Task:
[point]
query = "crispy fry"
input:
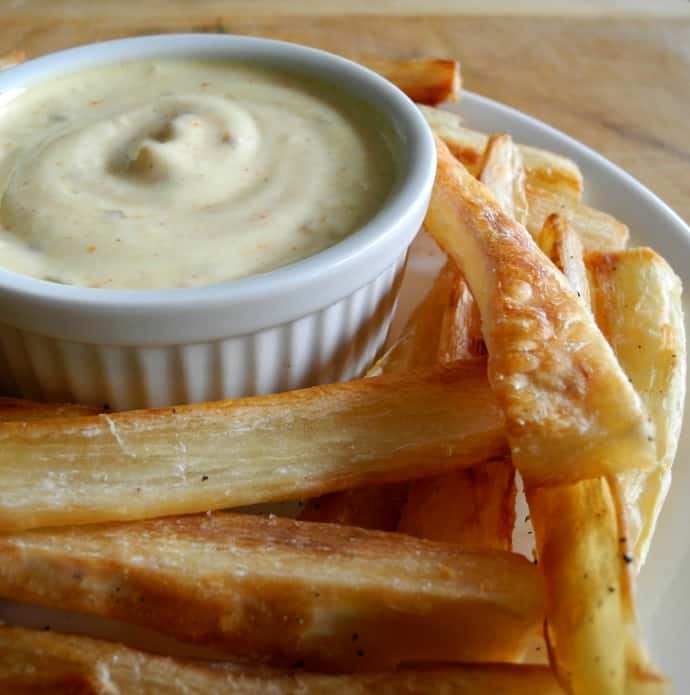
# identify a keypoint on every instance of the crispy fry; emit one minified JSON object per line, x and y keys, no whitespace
{"x":474,"y":507}
{"x":418,"y":344}
{"x":280,"y":591}
{"x":637,"y":304}
{"x":597,"y":230}
{"x":543,"y":169}
{"x":424,"y":81}
{"x":589,"y":587}
{"x":502,"y":171}
{"x":18,"y":410}
{"x":570,"y":414}
{"x":561,"y":244}
{"x":591,"y":622}
{"x":461,"y":330}
{"x":9,"y":60}
{"x":142,"y":464}
{"x":33,"y":663}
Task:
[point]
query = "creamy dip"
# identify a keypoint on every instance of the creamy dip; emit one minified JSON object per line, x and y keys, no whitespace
{"x":176,"y":173}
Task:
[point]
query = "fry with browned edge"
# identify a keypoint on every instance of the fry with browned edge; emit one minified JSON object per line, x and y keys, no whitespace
{"x":570,"y":413}
{"x":148,"y":463}
{"x":426,"y":81}
{"x":280,"y":591}
{"x":38,"y":663}
{"x":584,"y":556}
{"x":638,"y":306}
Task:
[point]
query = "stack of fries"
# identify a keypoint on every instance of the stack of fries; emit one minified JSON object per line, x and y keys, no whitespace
{"x":544,"y":351}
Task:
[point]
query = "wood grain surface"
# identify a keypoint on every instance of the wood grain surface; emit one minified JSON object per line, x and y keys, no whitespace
{"x":614,"y":75}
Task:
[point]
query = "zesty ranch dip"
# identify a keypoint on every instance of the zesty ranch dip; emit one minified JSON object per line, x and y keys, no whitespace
{"x":176,"y":173}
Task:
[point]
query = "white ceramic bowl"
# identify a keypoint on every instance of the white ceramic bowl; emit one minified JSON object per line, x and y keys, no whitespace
{"x":319,"y":320}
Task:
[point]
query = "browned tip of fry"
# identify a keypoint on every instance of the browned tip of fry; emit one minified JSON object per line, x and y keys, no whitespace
{"x":561,"y":244}
{"x":503,"y":172}
{"x":424,"y":81}
{"x":461,"y":334}
{"x":8,"y":60}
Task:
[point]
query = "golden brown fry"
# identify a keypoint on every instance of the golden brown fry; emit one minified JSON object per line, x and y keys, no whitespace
{"x":543,"y":169}
{"x":425,"y":81}
{"x":18,"y":410}
{"x":418,"y":344}
{"x":461,"y":329}
{"x":589,"y":591}
{"x":570,"y":411}
{"x":637,"y":304}
{"x":9,"y":60}
{"x":37,"y":663}
{"x":291,"y":445}
{"x":597,"y":230}
{"x":591,"y":622}
{"x":375,"y":507}
{"x":474,"y":507}
{"x":561,"y":244}
{"x":502,"y":172}
{"x":280,"y":591}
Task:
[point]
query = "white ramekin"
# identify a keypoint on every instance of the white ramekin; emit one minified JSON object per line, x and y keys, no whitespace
{"x":319,"y":320}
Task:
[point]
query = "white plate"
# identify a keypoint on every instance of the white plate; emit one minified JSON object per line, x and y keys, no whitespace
{"x":665,"y":579}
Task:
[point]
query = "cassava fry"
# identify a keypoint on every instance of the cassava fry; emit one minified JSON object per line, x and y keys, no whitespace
{"x":584,"y":553}
{"x":637,"y":304}
{"x":591,"y":623}
{"x":291,"y":445}
{"x":474,"y":507}
{"x":544,"y":169}
{"x":502,"y":172}
{"x":570,"y":411}
{"x":280,"y":591}
{"x":37,"y":663}
{"x":418,"y":344}
{"x":597,"y":230}
{"x":461,"y":328}
{"x":425,"y":81}
{"x":561,"y":244}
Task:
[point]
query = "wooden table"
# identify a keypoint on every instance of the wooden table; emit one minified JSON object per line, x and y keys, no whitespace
{"x":615,"y":75}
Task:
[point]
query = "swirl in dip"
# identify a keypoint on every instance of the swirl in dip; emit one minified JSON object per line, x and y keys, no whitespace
{"x":176,"y":173}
